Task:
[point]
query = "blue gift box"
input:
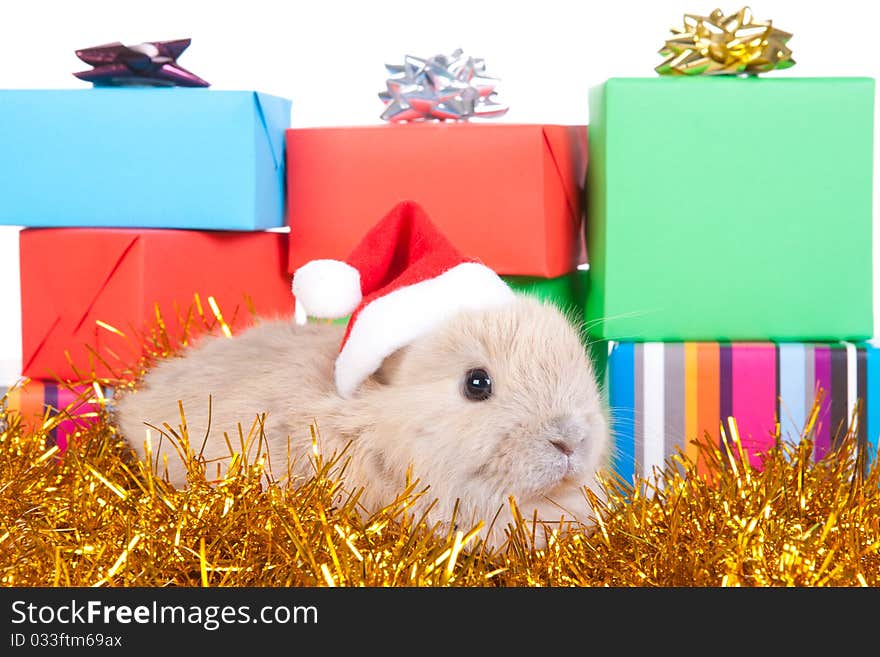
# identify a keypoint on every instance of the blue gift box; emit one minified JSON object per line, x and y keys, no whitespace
{"x":142,"y":157}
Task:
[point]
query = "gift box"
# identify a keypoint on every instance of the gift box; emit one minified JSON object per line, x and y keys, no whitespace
{"x":730,"y":208}
{"x":665,"y":396}
{"x":92,"y":292}
{"x":509,"y":194}
{"x":143,"y":158}
{"x":566,"y":291}
{"x":35,"y":402}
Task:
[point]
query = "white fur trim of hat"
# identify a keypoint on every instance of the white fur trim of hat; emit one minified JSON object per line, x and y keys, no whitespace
{"x":397,"y":318}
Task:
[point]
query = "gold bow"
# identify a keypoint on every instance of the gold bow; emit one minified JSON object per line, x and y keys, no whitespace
{"x":725,"y":45}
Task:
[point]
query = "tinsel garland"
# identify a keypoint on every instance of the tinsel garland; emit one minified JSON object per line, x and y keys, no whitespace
{"x":96,"y":515}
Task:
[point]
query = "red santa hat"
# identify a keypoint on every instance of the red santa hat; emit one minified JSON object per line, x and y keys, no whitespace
{"x":402,"y":281}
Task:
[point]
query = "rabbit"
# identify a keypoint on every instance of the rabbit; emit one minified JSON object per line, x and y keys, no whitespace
{"x":492,"y":403}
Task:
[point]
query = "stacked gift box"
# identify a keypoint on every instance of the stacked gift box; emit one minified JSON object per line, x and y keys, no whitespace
{"x":729,"y":231}
{"x":155,"y":196}
{"x":140,"y":203}
{"x":728,"y":228}
{"x":508,"y":194}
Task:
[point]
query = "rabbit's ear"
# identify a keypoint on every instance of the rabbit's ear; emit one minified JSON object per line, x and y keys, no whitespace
{"x":387,"y":372}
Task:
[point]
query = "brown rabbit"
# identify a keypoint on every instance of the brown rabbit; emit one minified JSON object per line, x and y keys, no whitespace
{"x":492,"y":403}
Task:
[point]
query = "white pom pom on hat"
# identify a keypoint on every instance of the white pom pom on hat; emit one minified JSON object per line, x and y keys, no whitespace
{"x":399,"y":283}
{"x":327,"y":288}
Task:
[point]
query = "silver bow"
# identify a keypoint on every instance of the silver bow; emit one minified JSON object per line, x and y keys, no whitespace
{"x":442,"y":87}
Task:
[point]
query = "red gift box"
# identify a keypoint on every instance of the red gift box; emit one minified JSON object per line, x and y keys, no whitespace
{"x":508,"y":194}
{"x":77,"y":282}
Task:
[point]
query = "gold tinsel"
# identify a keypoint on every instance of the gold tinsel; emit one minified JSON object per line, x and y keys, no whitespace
{"x":98,"y":516}
{"x":720,"y":44}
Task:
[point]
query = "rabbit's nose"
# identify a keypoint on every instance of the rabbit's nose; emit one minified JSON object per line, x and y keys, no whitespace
{"x":567,"y":434}
{"x":562,"y":447}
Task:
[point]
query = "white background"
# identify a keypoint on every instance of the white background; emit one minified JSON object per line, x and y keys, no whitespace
{"x":328,"y":57}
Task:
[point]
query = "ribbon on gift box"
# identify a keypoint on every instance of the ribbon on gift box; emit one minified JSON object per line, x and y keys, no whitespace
{"x":442,"y":87}
{"x":153,"y":63}
{"x":720,"y":44}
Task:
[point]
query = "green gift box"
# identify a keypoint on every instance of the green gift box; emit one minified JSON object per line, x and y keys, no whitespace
{"x":730,"y":208}
{"x":567,"y":291}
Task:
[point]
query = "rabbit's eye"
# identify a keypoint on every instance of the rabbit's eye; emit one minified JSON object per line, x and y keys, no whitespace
{"x":477,"y":384}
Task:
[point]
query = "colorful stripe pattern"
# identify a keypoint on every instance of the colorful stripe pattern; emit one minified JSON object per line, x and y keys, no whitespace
{"x":665,"y":396}
{"x":33,"y":399}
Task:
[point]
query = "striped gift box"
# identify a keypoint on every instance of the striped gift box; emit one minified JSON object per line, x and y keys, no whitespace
{"x":32,"y":399}
{"x":665,"y":395}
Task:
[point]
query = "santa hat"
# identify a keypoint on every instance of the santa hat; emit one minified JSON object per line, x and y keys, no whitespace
{"x":402,"y":281}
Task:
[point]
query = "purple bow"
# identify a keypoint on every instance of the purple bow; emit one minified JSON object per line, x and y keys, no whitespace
{"x":150,"y":64}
